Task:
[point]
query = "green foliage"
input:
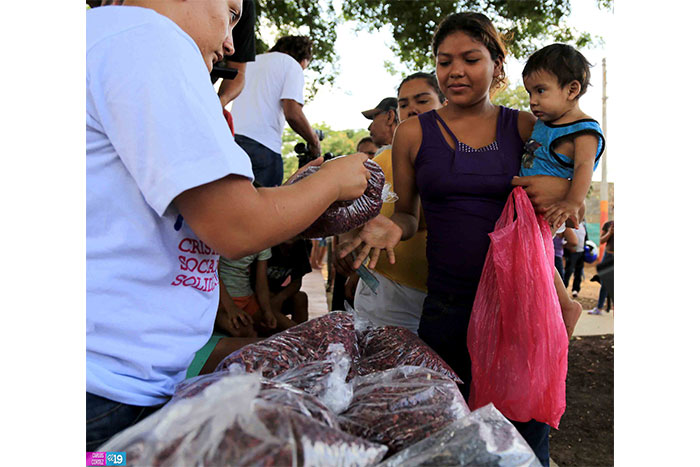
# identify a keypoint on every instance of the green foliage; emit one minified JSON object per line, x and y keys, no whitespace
{"x":515,"y":98}
{"x":413,"y":22}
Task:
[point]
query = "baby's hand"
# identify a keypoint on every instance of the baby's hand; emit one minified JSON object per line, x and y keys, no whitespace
{"x":560,"y":211}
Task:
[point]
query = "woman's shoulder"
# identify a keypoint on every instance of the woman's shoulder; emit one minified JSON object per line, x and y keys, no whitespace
{"x":408,"y":136}
{"x":526,"y":123}
{"x":410,"y":126}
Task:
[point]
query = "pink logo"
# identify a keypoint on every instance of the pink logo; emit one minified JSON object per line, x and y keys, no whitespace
{"x":95,"y":458}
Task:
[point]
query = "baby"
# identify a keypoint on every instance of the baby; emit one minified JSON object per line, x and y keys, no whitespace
{"x":565,"y":142}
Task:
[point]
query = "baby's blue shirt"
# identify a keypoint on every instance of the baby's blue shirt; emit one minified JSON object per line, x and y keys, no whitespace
{"x":547,"y":135}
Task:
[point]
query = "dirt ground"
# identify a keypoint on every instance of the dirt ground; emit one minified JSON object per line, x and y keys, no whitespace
{"x":585,"y":436}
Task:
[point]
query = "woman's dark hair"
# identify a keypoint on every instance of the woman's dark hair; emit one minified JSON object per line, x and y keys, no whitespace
{"x":480,"y":28}
{"x":429,"y":78}
{"x":564,"y":62}
{"x":298,"y":47}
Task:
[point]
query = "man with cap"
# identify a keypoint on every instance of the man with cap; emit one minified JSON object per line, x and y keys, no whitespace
{"x":398,"y":298}
{"x":385,"y":119}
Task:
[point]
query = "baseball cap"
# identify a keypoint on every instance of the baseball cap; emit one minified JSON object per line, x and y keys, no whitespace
{"x":385,"y":105}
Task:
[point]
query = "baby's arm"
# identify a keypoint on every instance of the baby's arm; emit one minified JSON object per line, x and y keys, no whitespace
{"x":585,"y":149}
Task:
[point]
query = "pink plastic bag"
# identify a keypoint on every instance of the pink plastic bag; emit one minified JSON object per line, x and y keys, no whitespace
{"x":517,"y":339}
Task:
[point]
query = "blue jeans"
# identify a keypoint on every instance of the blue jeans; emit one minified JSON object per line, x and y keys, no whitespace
{"x":443,"y":326}
{"x":105,"y":418}
{"x":268,"y":167}
{"x":559,"y":266}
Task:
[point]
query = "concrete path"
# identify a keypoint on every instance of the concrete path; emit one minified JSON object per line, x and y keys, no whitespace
{"x":595,"y":325}
{"x":314,"y":285}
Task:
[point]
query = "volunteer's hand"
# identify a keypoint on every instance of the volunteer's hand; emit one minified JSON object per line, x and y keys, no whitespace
{"x":350,"y":173}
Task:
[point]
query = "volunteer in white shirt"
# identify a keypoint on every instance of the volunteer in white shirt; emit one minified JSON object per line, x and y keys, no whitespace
{"x":167,"y":190}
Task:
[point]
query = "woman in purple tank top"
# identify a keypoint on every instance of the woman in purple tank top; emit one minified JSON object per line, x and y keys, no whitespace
{"x":460,"y":162}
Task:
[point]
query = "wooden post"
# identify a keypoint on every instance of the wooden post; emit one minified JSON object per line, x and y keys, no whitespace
{"x":604,"y":167}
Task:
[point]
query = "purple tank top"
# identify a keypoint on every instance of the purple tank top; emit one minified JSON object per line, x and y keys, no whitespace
{"x":463,"y":192}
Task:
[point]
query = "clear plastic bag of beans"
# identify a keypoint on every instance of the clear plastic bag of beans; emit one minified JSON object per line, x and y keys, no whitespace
{"x":277,"y":392}
{"x":298,"y":401}
{"x":484,"y":437}
{"x":402,"y":406}
{"x":385,"y":347}
{"x":325,"y":379}
{"x":227,"y":423}
{"x":343,"y":216}
{"x":303,"y":343}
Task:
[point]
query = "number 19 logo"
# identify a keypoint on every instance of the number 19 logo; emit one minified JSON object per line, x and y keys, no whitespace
{"x":116,"y":458}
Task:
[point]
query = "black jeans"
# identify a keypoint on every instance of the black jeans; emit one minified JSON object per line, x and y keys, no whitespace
{"x":443,"y":326}
{"x":574,"y":265}
{"x":105,"y":418}
{"x":603,"y":294}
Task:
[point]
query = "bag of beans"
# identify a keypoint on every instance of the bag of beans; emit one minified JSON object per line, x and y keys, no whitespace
{"x":343,"y":216}
{"x":228,"y":423}
{"x":276,"y":392}
{"x":385,"y":347}
{"x":401,"y":406}
{"x":325,"y":379}
{"x":484,"y":437}
{"x":303,"y":343}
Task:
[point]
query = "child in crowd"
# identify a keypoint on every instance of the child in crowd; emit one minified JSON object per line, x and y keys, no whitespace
{"x":565,"y":142}
{"x":319,"y":249}
{"x":367,"y":146}
{"x":235,"y":276}
{"x":285,"y":271}
{"x":249,"y":307}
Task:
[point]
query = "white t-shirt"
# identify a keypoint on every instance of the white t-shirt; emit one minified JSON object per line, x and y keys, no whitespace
{"x":257,"y":111}
{"x":581,"y":237}
{"x":154,"y":128}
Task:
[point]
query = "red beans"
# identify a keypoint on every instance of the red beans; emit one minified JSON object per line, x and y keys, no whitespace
{"x":392,"y":346}
{"x":401,"y":406}
{"x":343,"y":216}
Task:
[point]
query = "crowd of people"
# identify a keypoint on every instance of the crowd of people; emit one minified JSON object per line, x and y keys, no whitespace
{"x":192,"y":235}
